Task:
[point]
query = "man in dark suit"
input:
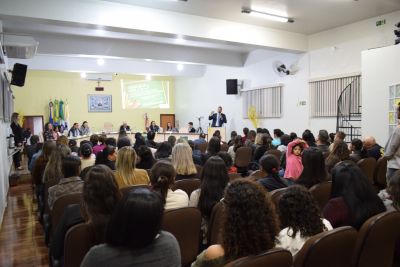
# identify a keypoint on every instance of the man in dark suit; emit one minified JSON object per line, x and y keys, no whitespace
{"x":190,"y":128}
{"x":218,"y":119}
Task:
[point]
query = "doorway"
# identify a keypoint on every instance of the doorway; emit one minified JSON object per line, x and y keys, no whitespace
{"x":165,"y":118}
{"x":34,"y":123}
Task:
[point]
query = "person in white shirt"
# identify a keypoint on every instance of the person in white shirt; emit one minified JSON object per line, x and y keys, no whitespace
{"x":162,"y":177}
{"x":300,"y":215}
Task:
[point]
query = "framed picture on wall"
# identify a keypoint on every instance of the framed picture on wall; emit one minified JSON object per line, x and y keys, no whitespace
{"x":100,"y":103}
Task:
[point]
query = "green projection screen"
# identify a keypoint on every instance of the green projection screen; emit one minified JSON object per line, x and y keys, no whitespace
{"x":145,"y":94}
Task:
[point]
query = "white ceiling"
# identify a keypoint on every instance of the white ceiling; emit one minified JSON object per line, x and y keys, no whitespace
{"x":311,"y":16}
{"x":197,"y":32}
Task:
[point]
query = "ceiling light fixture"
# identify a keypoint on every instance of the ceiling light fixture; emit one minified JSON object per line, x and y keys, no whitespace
{"x":83,"y":75}
{"x":147,"y":59}
{"x":100,"y":61}
{"x":179,"y":67}
{"x":265,"y":15}
{"x":148,"y":77}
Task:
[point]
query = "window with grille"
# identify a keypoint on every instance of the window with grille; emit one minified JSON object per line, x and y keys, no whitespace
{"x":324,"y":95}
{"x":266,"y":101}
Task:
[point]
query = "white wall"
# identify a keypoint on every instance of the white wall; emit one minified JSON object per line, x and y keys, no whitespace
{"x":197,"y":97}
{"x":380,"y":69}
{"x":331,"y":53}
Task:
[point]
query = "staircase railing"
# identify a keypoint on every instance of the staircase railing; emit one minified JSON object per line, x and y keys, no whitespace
{"x":348,"y":119}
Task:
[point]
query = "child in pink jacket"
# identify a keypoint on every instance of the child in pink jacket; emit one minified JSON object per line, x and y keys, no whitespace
{"x":294,"y":167}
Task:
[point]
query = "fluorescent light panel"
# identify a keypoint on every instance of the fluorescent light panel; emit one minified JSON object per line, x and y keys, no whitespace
{"x":265,"y":15}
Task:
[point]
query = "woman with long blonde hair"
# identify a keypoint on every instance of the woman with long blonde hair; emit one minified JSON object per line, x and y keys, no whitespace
{"x":182,"y":160}
{"x":126,"y":172}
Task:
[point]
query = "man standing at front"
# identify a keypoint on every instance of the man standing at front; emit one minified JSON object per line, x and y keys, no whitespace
{"x":218,"y":119}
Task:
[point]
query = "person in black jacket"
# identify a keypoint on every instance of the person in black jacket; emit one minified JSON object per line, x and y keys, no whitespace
{"x":218,"y":119}
{"x":18,"y":133}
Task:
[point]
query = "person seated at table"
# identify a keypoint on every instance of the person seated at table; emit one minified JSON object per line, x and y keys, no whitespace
{"x":84,"y":130}
{"x":150,"y":140}
{"x":124,"y":127}
{"x":191,"y":129}
{"x":169,"y":127}
{"x":154,"y":127}
{"x":74,"y":131}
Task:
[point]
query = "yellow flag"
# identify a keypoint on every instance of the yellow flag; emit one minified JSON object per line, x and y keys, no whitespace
{"x":252,"y":114}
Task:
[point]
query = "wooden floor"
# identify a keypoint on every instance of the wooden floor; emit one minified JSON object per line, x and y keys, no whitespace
{"x":21,"y":236}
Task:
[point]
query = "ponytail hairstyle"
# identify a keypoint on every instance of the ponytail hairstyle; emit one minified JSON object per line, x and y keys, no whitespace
{"x":162,"y":176}
{"x":270,"y":165}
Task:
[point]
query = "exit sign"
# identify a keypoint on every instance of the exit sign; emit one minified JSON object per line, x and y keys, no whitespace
{"x":380,"y":22}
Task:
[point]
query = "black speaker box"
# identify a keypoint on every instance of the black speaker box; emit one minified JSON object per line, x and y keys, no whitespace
{"x":19,"y":74}
{"x":232,"y":87}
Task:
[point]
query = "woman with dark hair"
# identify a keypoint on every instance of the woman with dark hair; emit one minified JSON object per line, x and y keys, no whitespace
{"x":262,"y":146}
{"x":163,"y":151}
{"x":139,"y":141}
{"x":340,"y":152}
{"x":250,"y":225}
{"x":214,"y":179}
{"x":357,"y":150}
{"x":308,"y":136}
{"x":293,"y":136}
{"x":162,"y":177}
{"x":99,"y":198}
{"x":84,"y":130}
{"x":236,"y":144}
{"x":300,"y":214}
{"x":107,"y":157}
{"x":232,"y":140}
{"x":123,"y":141}
{"x":277,"y":137}
{"x":314,"y":171}
{"x":49,"y":133}
{"x":73,"y":145}
{"x":145,"y":159}
{"x":353,"y":200}
{"x":285,"y":140}
{"x":269,"y":165}
{"x":87,"y":157}
{"x":18,"y":139}
{"x":154,"y":127}
{"x":100,"y":145}
{"x":134,"y":237}
{"x":213,"y":147}
{"x":94,"y":140}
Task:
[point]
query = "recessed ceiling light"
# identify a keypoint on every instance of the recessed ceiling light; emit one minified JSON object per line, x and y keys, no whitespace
{"x":179,"y":67}
{"x":100,"y":61}
{"x":83,"y":75}
{"x":266,"y":15}
{"x":148,"y":59}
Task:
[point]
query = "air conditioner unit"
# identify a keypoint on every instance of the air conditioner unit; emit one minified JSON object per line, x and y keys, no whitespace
{"x":18,"y":46}
{"x":99,"y":76}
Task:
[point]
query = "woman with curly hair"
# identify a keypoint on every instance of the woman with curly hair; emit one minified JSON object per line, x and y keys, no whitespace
{"x":300,"y":214}
{"x":250,"y":225}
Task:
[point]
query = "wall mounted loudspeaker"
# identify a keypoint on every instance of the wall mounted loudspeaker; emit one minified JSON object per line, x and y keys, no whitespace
{"x":232,"y":87}
{"x":18,"y":74}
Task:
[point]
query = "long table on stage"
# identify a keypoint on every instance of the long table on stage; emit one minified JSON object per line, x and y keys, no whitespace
{"x":160,"y":137}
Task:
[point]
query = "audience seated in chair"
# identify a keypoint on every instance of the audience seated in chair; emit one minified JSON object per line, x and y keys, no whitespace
{"x":314,"y":171}
{"x":107,"y":157}
{"x":182,"y":160}
{"x":214,"y":179}
{"x":162,"y":178}
{"x":100,"y":195}
{"x":391,"y":195}
{"x":133,"y":236}
{"x":145,"y":158}
{"x":164,"y":151}
{"x":71,"y":183}
{"x":357,"y":150}
{"x":214,"y":146}
{"x":246,"y":205}
{"x":269,"y":165}
{"x":353,"y":200}
{"x":300,"y":215}
{"x":126,"y":173}
{"x":339,"y":152}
